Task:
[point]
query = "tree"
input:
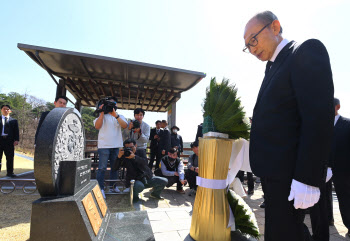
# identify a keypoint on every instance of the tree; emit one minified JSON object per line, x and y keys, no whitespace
{"x":88,"y":120}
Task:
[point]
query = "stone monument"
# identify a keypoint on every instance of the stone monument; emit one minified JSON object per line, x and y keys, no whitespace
{"x":71,"y":206}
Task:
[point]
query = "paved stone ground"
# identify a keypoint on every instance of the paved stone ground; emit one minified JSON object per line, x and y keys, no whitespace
{"x":171,"y":218}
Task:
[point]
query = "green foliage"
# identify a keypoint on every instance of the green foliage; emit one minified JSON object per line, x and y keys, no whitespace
{"x":245,"y":220}
{"x":88,"y":120}
{"x":224,"y":108}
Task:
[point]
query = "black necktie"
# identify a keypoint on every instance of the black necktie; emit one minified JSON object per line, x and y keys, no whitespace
{"x":268,"y":66}
{"x":6,"y":126}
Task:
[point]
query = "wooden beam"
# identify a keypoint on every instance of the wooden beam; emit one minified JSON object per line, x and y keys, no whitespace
{"x":161,"y":80}
{"x":86,"y":90}
{"x":103,"y":90}
{"x":137,"y":97}
{"x":121,"y":95}
{"x":77,"y":90}
{"x":129,"y":98}
{"x":161,"y":97}
{"x":167,"y":99}
{"x":154,"y":94}
{"x":111,"y":89}
{"x":144,"y":98}
{"x":64,"y":75}
{"x":94,"y":90}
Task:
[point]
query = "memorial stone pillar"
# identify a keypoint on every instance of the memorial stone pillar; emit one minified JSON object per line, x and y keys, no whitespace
{"x":71,"y":206}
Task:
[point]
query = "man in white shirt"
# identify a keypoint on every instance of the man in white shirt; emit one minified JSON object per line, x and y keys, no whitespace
{"x":109,"y":140}
{"x":292,"y":125}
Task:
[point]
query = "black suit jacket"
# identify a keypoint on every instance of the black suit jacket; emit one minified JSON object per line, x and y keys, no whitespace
{"x":341,"y":147}
{"x":165,"y":141}
{"x":154,"y":142}
{"x":13,"y":131}
{"x":42,"y":118}
{"x":294,"y":116}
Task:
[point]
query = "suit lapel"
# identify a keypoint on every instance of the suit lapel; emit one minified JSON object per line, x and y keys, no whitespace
{"x":275,"y":66}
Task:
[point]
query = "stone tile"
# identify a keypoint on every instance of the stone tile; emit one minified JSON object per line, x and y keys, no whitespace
{"x":168,"y":236}
{"x":158,"y":216}
{"x":178,"y":214}
{"x":184,"y":233}
{"x":163,"y":226}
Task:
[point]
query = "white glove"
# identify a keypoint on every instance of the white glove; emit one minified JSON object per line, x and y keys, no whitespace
{"x":304,"y":196}
{"x":329,"y":174}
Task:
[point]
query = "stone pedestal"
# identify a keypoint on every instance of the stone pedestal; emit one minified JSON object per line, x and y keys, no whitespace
{"x":75,"y":217}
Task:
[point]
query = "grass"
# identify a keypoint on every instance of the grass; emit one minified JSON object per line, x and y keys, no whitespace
{"x":20,"y":165}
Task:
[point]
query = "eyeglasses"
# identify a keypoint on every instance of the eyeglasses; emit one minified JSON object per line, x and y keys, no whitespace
{"x":253,"y":41}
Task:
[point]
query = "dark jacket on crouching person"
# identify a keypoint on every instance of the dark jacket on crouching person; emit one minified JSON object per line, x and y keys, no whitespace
{"x":137,"y":169}
{"x":192,"y":174}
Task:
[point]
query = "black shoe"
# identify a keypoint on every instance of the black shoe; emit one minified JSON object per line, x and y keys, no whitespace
{"x":331,"y":223}
{"x":250,"y":192}
{"x":262,"y":205}
{"x":11,"y":175}
{"x":156,"y":196}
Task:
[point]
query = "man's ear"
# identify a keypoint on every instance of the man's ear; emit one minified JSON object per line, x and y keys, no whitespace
{"x":276,"y":27}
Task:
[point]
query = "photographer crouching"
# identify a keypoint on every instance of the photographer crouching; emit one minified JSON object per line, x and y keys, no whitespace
{"x":138,"y":170}
{"x":110,"y":139}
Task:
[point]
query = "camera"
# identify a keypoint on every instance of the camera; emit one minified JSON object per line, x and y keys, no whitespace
{"x":135,"y":124}
{"x":107,"y":107}
{"x":127,"y":151}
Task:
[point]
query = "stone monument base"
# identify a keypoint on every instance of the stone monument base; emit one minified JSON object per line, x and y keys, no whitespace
{"x":77,"y":217}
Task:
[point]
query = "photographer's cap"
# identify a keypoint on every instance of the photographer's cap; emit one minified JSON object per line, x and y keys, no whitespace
{"x":173,"y":150}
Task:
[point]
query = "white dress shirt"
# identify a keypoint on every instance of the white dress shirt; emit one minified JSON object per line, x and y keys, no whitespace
{"x":336,"y":119}
{"x":3,"y":125}
{"x":281,"y":45}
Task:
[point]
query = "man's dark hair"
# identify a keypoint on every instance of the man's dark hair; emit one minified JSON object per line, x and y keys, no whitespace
{"x":164,"y":121}
{"x":112,"y":98}
{"x":336,"y":102}
{"x":138,"y":110}
{"x":5,"y":105}
{"x":267,"y":17}
{"x":173,"y":150}
{"x":129,"y":141}
{"x":61,"y":97}
{"x":158,"y":121}
{"x":194,"y":144}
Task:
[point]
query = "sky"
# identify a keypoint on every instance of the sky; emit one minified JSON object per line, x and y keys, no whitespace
{"x":204,"y":36}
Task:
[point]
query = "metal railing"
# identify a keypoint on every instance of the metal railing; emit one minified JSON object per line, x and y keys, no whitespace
{"x":12,"y":181}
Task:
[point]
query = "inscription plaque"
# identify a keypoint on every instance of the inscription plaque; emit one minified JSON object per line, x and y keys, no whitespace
{"x":74,"y":175}
{"x":100,"y":200}
{"x":92,"y":212}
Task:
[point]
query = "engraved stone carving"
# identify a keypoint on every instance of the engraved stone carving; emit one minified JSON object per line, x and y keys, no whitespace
{"x":69,"y":141}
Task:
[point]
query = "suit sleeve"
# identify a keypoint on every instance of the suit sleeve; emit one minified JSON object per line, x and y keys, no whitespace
{"x":312,"y":81}
{"x":16,"y":131}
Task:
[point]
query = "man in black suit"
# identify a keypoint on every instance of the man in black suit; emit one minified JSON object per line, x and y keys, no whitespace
{"x":292,"y":125}
{"x":164,"y":142}
{"x":9,"y":138}
{"x":60,"y":102}
{"x":155,"y":138}
{"x":341,"y":163}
